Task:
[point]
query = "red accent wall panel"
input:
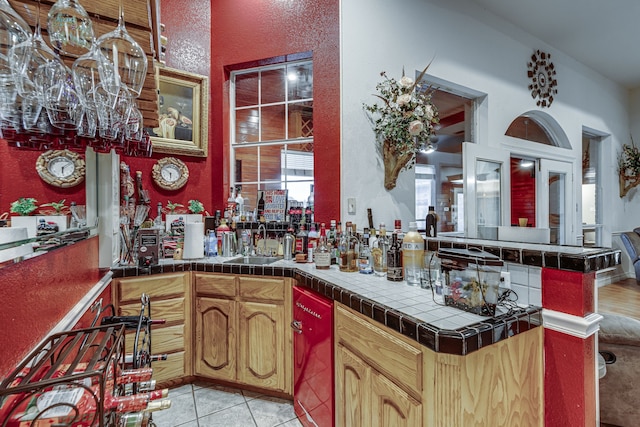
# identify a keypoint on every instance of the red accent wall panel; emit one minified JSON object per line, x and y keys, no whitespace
{"x":37,"y":293}
{"x":251,"y":30}
{"x":569,"y":379}
{"x":568,"y":291}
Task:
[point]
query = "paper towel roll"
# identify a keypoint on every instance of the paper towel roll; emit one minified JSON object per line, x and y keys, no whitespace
{"x":193,"y":240}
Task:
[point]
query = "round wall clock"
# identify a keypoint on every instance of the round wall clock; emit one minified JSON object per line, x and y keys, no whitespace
{"x":61,"y":168}
{"x":543,"y":82}
{"x":170,"y":173}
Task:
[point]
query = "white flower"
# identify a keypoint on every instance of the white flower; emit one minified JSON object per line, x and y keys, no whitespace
{"x":418,"y":111}
{"x":403,"y":99}
{"x":428,"y":112}
{"x":406,"y":82}
{"x":415,"y":127}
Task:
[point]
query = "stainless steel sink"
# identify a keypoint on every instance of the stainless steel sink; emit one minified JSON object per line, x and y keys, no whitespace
{"x":256,"y":260}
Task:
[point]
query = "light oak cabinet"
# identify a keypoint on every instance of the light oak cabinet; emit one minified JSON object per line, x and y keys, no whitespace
{"x":170,"y":296}
{"x":376,"y":375}
{"x":242,"y":331}
{"x":385,"y":379}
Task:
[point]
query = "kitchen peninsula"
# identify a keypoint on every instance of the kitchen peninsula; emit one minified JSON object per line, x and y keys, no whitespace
{"x":509,"y":347}
{"x":434,"y":359}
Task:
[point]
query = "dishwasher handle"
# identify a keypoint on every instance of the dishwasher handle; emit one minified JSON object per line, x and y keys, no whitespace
{"x":296,"y":325}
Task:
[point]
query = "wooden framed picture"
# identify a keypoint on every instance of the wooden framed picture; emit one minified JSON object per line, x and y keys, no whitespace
{"x":183,"y":113}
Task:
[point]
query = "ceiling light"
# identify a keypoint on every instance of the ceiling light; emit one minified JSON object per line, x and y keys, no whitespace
{"x":526,"y":163}
{"x":428,"y":149}
{"x":292,"y":77}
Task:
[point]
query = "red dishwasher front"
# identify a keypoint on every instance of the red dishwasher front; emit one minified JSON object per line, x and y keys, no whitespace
{"x":313,"y":358}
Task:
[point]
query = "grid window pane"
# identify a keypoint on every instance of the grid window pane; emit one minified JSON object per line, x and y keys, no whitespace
{"x":272,"y":87}
{"x":246,"y":86}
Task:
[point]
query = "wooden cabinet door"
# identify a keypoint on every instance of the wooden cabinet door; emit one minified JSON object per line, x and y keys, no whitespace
{"x":353,"y":389}
{"x":261,"y":351}
{"x":392,"y":406}
{"x":216,"y":339}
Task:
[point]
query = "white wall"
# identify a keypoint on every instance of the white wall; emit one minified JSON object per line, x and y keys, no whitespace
{"x":480,"y":52}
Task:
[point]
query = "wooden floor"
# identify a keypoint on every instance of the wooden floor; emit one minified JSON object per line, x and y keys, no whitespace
{"x":620,"y":298}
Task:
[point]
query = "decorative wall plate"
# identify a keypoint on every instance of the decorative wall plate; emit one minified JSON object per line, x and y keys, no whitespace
{"x":61,"y":168}
{"x":543,"y":82}
{"x":170,"y":173}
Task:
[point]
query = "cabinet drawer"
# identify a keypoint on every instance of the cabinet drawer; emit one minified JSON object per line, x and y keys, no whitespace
{"x":386,"y":352}
{"x":268,"y":289}
{"x":172,"y":368}
{"x":171,"y":310}
{"x":163,"y":340}
{"x":159,"y":286}
{"x":216,"y":284}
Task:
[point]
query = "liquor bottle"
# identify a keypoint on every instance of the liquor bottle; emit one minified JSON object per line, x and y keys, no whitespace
{"x":301,"y":240}
{"x":322,"y":253}
{"x":379,"y":252}
{"x":331,"y":239}
{"x":364,"y":257}
{"x":313,"y":235}
{"x":432,"y":222}
{"x":336,"y":247}
{"x":260,"y":211}
{"x":413,"y":255}
{"x":349,"y":249}
{"x":394,"y":260}
{"x":134,"y":419}
{"x":397,"y":229}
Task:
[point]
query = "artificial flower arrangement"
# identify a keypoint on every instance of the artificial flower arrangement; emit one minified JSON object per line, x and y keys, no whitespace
{"x":403,"y":122}
{"x":628,"y":168}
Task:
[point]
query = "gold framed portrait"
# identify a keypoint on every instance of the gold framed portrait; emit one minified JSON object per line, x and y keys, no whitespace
{"x":183,"y":101}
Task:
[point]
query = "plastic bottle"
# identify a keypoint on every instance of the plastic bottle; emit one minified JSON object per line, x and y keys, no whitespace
{"x":413,"y":255}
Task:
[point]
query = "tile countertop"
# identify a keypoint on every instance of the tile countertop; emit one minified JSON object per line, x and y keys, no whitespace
{"x":417,"y":313}
{"x":571,"y":258}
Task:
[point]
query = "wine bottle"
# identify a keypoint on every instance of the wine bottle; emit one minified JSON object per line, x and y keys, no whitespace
{"x":134,"y":402}
{"x":131,"y":322}
{"x":394,"y":260}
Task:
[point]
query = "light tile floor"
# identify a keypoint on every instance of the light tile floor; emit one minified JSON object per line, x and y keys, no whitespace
{"x":206,"y":405}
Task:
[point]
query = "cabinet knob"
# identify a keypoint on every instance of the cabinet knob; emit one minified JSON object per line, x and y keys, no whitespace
{"x":296,"y":325}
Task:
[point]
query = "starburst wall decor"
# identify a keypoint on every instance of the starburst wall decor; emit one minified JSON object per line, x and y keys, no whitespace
{"x":543,"y":82}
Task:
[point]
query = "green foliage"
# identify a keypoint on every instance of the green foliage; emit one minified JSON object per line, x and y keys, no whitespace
{"x":24,"y":206}
{"x":173,"y":206}
{"x":58,"y":207}
{"x":196,"y":207}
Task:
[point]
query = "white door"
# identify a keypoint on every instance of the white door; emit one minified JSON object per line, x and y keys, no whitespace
{"x":487,"y":180}
{"x":556,"y":201}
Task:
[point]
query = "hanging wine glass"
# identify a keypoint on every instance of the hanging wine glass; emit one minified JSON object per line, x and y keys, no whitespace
{"x":13,"y":30}
{"x":27,"y":57}
{"x":126,"y":55}
{"x":90,"y":71}
{"x":70,"y":28}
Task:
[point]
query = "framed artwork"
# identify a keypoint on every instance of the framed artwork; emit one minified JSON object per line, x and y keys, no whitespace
{"x":183,"y":113}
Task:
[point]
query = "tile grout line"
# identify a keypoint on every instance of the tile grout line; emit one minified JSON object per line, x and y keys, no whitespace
{"x":195,"y":406}
{"x":249,"y":408}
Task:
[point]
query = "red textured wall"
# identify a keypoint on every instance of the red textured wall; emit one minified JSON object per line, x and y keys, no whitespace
{"x":37,"y":293}
{"x":251,"y":30}
{"x":523,"y":194}
{"x":18,"y":178}
{"x":204,"y":37}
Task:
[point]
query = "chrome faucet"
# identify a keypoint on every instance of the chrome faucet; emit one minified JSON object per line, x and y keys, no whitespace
{"x":264,"y":238}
